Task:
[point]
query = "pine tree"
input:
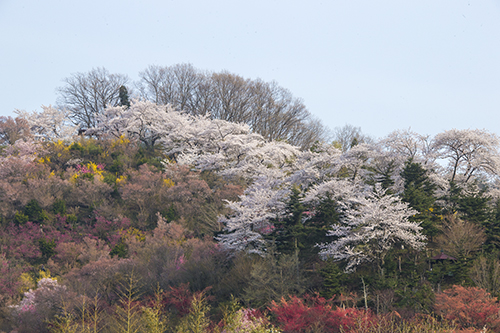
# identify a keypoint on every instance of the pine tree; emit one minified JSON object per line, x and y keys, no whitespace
{"x":419,"y":194}
{"x":289,"y":231}
{"x":123,"y":95}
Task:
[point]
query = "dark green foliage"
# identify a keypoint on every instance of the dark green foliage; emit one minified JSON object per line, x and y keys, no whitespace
{"x":120,"y":250}
{"x":76,"y":147}
{"x":419,"y":190}
{"x":34,"y":212}
{"x":71,"y":218}
{"x":419,"y":194}
{"x":289,"y":231}
{"x":419,"y":297}
{"x":333,"y":279}
{"x":382,"y":175}
{"x":20,"y":218}
{"x":147,"y":155}
{"x":110,"y":179}
{"x":492,"y":229}
{"x":47,"y":248}
{"x":123,"y":95}
{"x":169,"y":213}
{"x":59,"y":207}
{"x":117,"y":166}
{"x":471,"y":202}
{"x":316,"y":225}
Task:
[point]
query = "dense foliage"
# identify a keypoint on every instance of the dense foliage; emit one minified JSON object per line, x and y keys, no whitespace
{"x":155,"y":220}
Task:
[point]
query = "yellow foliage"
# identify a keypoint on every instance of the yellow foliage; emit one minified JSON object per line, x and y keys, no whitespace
{"x":134,"y":232}
{"x":27,"y":282}
{"x":121,"y":180}
{"x":73,"y":178}
{"x":44,"y":159}
{"x":44,"y":274}
{"x":168,"y":182}
{"x":120,"y":142}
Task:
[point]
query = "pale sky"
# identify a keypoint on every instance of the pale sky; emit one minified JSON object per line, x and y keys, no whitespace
{"x":431,"y":65}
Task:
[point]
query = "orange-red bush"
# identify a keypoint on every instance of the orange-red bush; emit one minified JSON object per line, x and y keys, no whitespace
{"x":469,"y":307}
{"x":315,"y":314}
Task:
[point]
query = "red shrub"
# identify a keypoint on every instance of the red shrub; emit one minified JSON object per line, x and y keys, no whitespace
{"x":180,"y":298}
{"x":314,"y":314}
{"x":469,"y":307}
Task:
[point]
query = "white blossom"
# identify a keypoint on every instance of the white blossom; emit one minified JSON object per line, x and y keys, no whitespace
{"x":371,"y":225}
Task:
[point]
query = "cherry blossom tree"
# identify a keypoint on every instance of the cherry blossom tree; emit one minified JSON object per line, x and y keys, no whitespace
{"x":51,"y":124}
{"x":468,"y":152}
{"x":372,"y":224}
{"x":408,"y":145}
{"x":251,"y":217}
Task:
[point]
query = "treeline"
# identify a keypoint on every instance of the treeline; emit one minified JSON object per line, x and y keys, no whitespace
{"x":267,"y":108}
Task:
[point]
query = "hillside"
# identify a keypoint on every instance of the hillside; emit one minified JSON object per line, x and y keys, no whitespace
{"x":159,"y":219}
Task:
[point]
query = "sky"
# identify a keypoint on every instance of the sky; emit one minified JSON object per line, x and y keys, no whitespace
{"x":426,"y":65}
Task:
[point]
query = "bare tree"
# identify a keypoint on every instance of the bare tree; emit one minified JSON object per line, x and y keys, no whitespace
{"x":267,"y":108}
{"x":349,"y":136}
{"x":485,"y":273}
{"x":460,"y":238}
{"x":175,"y":85}
{"x":86,"y":95}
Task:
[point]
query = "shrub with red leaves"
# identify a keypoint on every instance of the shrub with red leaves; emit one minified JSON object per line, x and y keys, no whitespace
{"x":469,"y":307}
{"x":314,"y":314}
{"x":180,"y":298}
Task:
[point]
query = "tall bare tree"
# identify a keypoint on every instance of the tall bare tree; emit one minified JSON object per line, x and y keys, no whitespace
{"x":267,"y":108}
{"x":349,"y":136}
{"x":86,"y":95}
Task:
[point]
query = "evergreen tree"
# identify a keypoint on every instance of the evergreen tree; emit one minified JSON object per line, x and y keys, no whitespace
{"x":123,"y":95}
{"x":419,"y":194}
{"x":289,"y":231}
{"x":317,"y":225}
{"x":492,"y":229}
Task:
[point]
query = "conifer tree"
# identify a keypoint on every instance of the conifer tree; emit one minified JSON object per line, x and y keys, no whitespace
{"x":289,"y":231}
{"x":419,"y":194}
{"x":123,"y":95}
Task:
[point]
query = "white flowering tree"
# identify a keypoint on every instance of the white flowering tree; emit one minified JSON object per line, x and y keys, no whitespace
{"x":51,"y":124}
{"x":468,"y":152}
{"x":250,"y":220}
{"x":372,"y":224}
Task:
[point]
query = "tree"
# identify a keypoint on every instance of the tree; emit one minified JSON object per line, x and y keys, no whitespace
{"x":468,"y":152}
{"x":12,"y":130}
{"x":251,"y":217}
{"x":51,"y":124}
{"x":86,"y":95}
{"x":407,"y":144}
{"x":460,"y":238}
{"x":485,"y":272}
{"x":267,"y":108}
{"x":349,"y":136}
{"x":124,"y":100}
{"x":419,"y":194}
{"x":371,"y":225}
